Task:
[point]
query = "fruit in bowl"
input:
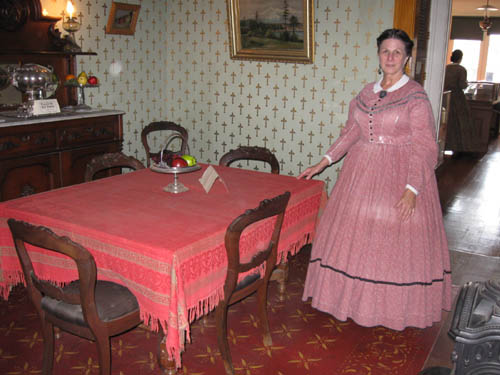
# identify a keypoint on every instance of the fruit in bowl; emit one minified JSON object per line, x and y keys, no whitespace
{"x":92,"y":80}
{"x":70,"y":80}
{"x":191,"y":160}
{"x":166,"y":157}
{"x":82,"y":78}
{"x":172,"y":159}
{"x":179,"y":162}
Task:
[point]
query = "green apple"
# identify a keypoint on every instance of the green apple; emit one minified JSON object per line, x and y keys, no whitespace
{"x":189,"y":159}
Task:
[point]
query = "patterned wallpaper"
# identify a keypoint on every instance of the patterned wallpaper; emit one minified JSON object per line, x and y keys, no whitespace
{"x":177,"y":67}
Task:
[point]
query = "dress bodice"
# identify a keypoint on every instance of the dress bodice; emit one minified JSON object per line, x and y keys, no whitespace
{"x":387,"y":120}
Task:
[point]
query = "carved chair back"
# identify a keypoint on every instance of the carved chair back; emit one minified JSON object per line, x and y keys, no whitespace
{"x":178,"y":131}
{"x":236,"y":289}
{"x":251,"y":153}
{"x":110,"y":161}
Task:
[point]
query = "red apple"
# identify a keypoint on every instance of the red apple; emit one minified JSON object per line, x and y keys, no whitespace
{"x":179,"y":162}
{"x":92,"y":80}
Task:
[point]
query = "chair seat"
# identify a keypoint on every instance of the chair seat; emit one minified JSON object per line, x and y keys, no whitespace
{"x":247,"y":280}
{"x":112,"y":300}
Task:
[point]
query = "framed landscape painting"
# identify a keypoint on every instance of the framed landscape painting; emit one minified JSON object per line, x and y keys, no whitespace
{"x":271,"y":30}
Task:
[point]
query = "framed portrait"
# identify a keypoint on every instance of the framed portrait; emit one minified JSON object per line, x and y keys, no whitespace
{"x":271,"y":30}
{"x":122,"y":18}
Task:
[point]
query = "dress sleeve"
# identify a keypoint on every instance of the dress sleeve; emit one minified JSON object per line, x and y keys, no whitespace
{"x":424,"y":149}
{"x":462,"y":78}
{"x":348,"y":136}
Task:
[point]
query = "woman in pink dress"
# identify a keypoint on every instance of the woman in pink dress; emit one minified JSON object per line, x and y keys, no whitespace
{"x":380,"y":255}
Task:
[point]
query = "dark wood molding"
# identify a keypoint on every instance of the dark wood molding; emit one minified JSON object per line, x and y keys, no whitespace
{"x":413,"y":17}
{"x":421,"y":38}
{"x":23,"y":26}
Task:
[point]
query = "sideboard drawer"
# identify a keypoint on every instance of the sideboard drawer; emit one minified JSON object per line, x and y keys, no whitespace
{"x":88,"y":132}
{"x":27,"y":143}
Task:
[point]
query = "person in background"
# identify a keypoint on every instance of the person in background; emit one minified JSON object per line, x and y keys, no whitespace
{"x":460,"y":135}
{"x":380,"y":254}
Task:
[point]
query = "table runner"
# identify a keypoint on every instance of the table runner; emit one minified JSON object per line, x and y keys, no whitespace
{"x":168,"y":249}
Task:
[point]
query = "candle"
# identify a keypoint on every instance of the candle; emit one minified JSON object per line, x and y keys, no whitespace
{"x":70,"y":9}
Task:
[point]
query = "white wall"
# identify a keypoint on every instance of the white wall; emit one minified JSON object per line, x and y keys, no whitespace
{"x":439,"y":28}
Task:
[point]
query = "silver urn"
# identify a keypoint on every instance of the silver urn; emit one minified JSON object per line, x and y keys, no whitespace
{"x":37,"y":81}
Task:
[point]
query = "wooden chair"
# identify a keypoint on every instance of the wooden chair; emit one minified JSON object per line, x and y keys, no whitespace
{"x":251,"y":153}
{"x":179,"y":132}
{"x":106,"y":162}
{"x":280,"y":274}
{"x":235,"y":291}
{"x":86,"y":307}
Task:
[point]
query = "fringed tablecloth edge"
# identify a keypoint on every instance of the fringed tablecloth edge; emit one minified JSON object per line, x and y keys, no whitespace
{"x":294,"y":247}
{"x":205,"y":305}
{"x":177,"y":336}
{"x":9,"y":280}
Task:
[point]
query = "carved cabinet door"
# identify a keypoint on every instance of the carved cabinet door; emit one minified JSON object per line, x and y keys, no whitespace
{"x":25,"y":176}
{"x":74,"y":162}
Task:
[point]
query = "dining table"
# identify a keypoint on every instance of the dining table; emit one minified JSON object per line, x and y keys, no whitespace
{"x":168,"y":249}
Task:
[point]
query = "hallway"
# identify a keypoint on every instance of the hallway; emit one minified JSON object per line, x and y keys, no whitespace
{"x":470,"y":197}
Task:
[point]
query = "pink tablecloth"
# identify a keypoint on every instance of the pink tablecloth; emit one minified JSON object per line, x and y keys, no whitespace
{"x":167,"y":249}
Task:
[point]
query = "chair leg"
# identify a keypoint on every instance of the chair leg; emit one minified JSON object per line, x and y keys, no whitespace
{"x":104,"y":351}
{"x":48,"y":347}
{"x":262,"y":301}
{"x":221,"y":322}
{"x":280,"y":274}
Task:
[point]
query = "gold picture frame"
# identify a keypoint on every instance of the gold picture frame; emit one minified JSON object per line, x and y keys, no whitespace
{"x":271,"y":30}
{"x":122,"y":18}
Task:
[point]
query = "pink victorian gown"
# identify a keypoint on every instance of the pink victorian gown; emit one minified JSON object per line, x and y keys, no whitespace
{"x":366,"y":263}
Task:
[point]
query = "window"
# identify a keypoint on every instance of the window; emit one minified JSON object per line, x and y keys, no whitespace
{"x":470,"y":61}
{"x":492,"y":65}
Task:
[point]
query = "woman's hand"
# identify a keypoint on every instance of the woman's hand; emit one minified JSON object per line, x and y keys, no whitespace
{"x":406,"y":205}
{"x":315,"y":169}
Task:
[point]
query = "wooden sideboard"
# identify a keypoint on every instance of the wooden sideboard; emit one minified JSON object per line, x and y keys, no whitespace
{"x":481,"y":98}
{"x":483,"y":119}
{"x":41,"y":154}
{"x":47,"y":152}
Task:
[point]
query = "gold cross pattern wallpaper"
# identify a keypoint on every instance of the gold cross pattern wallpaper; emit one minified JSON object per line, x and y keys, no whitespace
{"x":177,"y":67}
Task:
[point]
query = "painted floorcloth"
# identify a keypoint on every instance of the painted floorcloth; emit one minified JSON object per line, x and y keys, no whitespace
{"x":305,"y":341}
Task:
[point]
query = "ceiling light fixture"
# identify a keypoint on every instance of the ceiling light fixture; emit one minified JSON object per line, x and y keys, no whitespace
{"x":489,"y":7}
{"x":486,"y":22}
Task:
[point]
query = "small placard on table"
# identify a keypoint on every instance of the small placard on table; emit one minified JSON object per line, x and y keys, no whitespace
{"x":209,"y":177}
{"x":45,"y":107}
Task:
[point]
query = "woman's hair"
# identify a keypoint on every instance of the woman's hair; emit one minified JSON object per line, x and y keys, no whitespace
{"x":396,"y":34}
{"x":456,"y":56}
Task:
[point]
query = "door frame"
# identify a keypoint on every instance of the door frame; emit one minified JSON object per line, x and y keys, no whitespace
{"x":405,"y":17}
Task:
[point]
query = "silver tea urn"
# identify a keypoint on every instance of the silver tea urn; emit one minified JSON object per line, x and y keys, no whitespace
{"x":36,"y":81}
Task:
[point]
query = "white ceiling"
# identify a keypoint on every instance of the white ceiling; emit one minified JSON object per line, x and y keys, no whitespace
{"x":468,"y":8}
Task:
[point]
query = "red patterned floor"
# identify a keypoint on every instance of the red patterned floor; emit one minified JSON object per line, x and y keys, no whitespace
{"x":305,"y":341}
